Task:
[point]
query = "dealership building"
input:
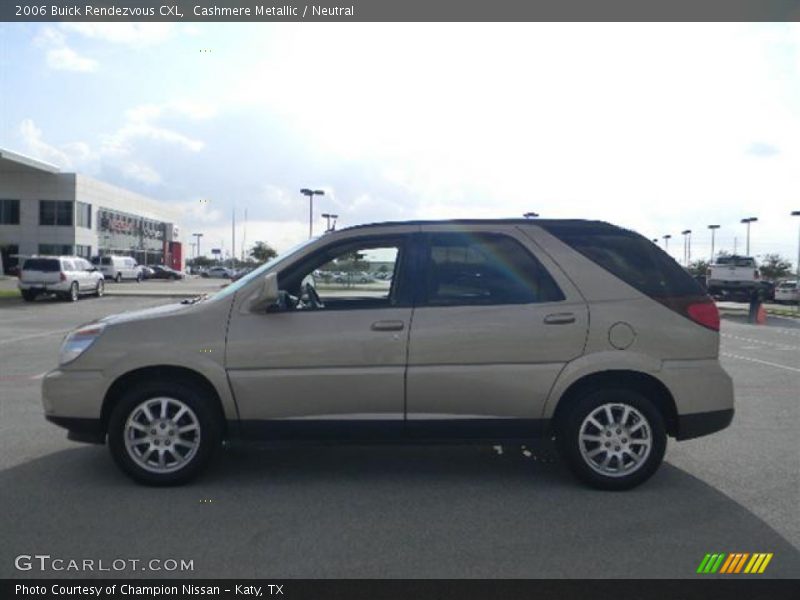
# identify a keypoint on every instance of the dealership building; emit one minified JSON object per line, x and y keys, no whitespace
{"x":46,"y":211}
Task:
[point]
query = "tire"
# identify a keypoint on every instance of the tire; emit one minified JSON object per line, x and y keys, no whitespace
{"x":139,"y":277}
{"x":28,"y":295}
{"x":186,"y":459}
{"x":645,"y":438}
{"x":118,"y":278}
{"x":73,"y":294}
{"x":100,"y":289}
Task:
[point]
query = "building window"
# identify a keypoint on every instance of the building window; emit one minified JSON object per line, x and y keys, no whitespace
{"x":83,"y":215}
{"x":84,"y":251}
{"x":55,"y":212}
{"x":9,"y":212}
{"x":55,"y":249}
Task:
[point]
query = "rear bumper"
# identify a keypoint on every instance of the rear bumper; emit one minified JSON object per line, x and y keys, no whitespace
{"x":44,"y":287}
{"x":700,"y":424}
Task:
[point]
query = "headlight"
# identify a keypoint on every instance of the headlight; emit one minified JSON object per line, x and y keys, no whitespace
{"x":78,"y":341}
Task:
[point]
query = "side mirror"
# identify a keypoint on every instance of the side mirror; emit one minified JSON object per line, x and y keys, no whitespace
{"x":267,"y":295}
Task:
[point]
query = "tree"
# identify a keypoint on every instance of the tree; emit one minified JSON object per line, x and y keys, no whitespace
{"x":698,"y":267}
{"x":262,"y":252}
{"x":774,"y":267}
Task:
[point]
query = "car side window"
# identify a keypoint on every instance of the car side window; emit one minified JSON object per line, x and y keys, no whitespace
{"x":484,"y":269}
{"x":350,"y":275}
{"x":68,"y":265}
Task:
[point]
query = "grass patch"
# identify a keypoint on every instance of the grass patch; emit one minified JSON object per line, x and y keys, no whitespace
{"x":9,"y":294}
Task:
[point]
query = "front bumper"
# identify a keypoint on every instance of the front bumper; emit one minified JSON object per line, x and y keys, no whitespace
{"x":89,"y":431}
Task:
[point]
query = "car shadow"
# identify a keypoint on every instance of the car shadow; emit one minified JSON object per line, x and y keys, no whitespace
{"x":387,"y":511}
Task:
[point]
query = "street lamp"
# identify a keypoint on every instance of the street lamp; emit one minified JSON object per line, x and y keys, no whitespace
{"x":330,"y":217}
{"x":530,"y":215}
{"x":687,"y":246}
{"x":749,"y":220}
{"x":713,"y":229}
{"x":796,"y":213}
{"x":197,"y":243}
{"x":666,"y":242}
{"x":311,"y":194}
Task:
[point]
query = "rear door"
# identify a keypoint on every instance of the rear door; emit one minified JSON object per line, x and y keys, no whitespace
{"x":41,"y":271}
{"x":494,"y":324}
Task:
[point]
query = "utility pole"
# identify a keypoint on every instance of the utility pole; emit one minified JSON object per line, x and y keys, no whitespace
{"x":311,"y":193}
{"x":233,"y":236}
{"x":747,"y":221}
{"x":198,"y":236}
{"x":713,"y":229}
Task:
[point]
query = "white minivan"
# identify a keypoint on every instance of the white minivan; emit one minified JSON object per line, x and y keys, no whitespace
{"x":118,"y":268}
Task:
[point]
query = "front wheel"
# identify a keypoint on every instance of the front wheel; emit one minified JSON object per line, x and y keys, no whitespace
{"x":164,"y":433}
{"x":118,"y":278}
{"x":613,"y":439}
{"x":100,"y":289}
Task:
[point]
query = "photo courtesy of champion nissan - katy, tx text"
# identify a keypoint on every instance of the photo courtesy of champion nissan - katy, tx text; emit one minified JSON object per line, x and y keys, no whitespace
{"x":487,"y":331}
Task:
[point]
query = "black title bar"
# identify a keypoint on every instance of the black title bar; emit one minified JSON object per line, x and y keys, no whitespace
{"x":400,"y":10}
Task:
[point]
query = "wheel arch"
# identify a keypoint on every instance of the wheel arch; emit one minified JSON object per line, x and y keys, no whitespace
{"x":644,"y":383}
{"x":164,"y":372}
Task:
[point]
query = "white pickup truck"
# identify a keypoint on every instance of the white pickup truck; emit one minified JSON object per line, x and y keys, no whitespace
{"x":733,"y":275}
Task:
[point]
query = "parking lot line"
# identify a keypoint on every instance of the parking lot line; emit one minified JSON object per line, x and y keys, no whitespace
{"x":35,"y":335}
{"x":763,"y":362}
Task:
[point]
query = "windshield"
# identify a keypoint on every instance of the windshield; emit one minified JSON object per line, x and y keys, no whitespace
{"x":260,"y":271}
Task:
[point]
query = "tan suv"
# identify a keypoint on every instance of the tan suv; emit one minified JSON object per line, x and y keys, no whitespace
{"x":485,"y":332}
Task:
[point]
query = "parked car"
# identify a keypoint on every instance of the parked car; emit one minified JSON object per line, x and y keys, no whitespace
{"x":66,"y":276}
{"x":218,"y":272}
{"x":147,"y":272}
{"x":733,"y":276}
{"x":485,"y":337}
{"x":118,"y":268}
{"x":162,"y":272}
{"x":241,"y":273}
{"x":787,"y":292}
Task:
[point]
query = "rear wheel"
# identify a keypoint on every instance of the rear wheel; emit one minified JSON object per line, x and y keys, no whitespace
{"x":139,"y":277}
{"x":613,"y":439}
{"x":164,"y":433}
{"x":118,"y":278}
{"x":73,"y":294}
{"x":28,"y":295}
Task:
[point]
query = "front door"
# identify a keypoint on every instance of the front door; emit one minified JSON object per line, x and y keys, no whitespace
{"x":491,"y":331}
{"x":329,"y":360}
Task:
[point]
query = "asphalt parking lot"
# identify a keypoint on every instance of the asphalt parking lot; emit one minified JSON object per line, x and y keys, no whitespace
{"x":401,"y":512}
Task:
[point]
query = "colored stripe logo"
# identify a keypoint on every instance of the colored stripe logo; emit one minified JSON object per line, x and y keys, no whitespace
{"x":736,"y":562}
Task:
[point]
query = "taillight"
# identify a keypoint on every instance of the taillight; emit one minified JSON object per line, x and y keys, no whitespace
{"x":62,"y":276}
{"x":704,"y":313}
{"x":700,"y":309}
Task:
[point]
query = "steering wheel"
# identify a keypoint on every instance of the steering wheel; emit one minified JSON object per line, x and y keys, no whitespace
{"x":312,"y":299}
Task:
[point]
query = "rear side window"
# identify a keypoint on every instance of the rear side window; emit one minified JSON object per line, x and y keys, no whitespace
{"x":629,"y":256}
{"x":484,"y":269}
{"x":46,"y":265}
{"x":69,"y":265}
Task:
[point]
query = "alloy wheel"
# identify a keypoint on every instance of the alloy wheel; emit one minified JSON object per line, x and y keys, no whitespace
{"x":615,"y":439}
{"x":162,"y":435}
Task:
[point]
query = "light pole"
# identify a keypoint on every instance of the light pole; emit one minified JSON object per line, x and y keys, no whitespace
{"x":311,"y":194}
{"x":330,"y":217}
{"x":749,"y":220}
{"x":197,"y":243}
{"x":666,"y":243}
{"x":530,"y":215}
{"x":796,"y":213}
{"x":713,"y":229}
{"x":687,"y":246}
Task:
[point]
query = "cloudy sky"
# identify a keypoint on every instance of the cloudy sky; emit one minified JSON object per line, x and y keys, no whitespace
{"x":658,"y":127}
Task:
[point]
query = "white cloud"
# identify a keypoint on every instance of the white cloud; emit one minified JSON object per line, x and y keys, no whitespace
{"x":59,"y":55}
{"x":66,"y":59}
{"x":132,"y":34}
{"x":36,"y":147}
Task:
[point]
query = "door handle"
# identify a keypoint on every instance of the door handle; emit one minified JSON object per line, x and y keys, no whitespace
{"x":559,"y":319}
{"x":387,"y":326}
